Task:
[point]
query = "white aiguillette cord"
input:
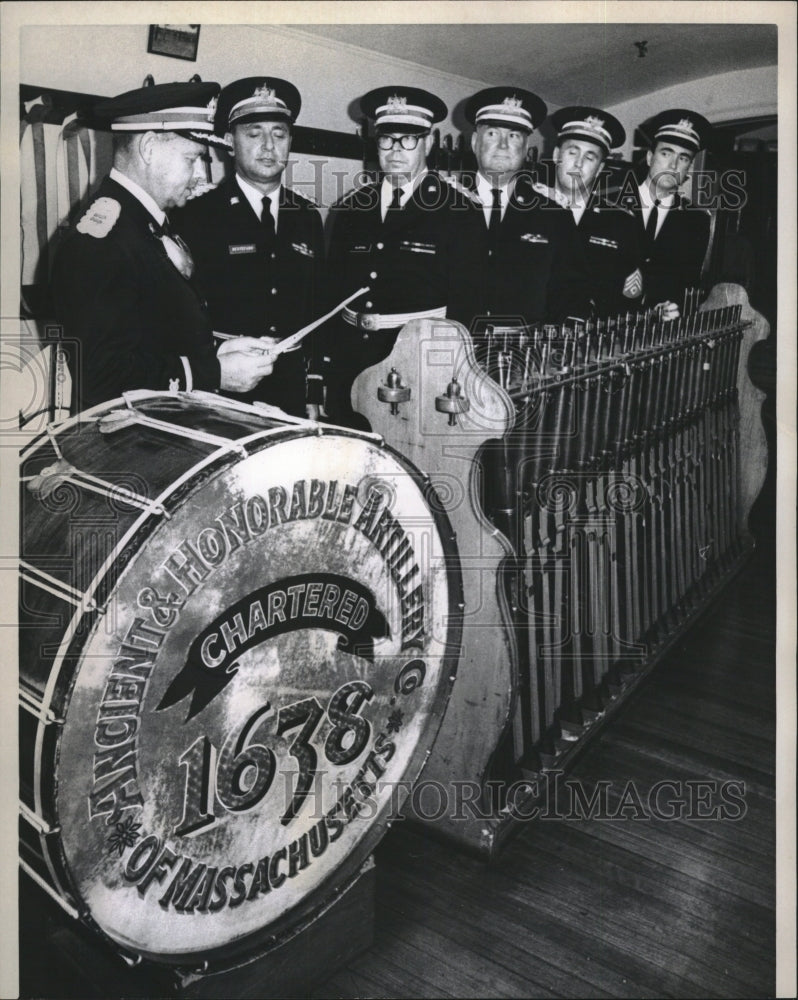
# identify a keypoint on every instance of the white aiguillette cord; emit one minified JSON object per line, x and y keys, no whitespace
{"x":295,"y":338}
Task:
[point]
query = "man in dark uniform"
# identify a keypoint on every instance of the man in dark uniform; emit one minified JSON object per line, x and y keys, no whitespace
{"x":522,"y":239}
{"x":612,"y":255}
{"x":674,"y":235}
{"x":394,"y":236}
{"x":123,"y":285}
{"x":257,"y":244}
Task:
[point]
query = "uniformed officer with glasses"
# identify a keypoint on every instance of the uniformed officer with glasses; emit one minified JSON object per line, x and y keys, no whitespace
{"x":395,"y":236}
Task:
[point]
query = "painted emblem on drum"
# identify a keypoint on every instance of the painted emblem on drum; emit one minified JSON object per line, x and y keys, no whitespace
{"x":320,"y":600}
{"x":257,"y":697}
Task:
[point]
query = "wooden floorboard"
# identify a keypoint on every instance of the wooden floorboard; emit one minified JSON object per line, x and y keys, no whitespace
{"x":591,"y":904}
{"x":614,"y":907}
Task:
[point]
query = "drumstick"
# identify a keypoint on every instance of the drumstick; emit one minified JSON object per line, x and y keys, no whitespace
{"x":295,"y":338}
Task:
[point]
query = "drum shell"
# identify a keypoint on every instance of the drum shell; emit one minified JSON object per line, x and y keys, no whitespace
{"x":51,"y":653}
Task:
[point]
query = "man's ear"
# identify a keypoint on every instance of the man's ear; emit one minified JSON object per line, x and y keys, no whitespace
{"x":556,"y":154}
{"x":649,"y":157}
{"x":428,"y":143}
{"x":228,"y":138}
{"x":146,"y":146}
{"x":474,"y":141}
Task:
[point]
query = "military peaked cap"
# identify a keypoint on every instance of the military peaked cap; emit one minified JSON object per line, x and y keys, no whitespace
{"x":402,"y":109}
{"x":590,"y":124}
{"x":509,"y":107}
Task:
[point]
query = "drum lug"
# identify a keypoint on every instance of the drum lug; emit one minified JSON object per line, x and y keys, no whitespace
{"x":116,"y":420}
{"x":131,"y":959}
{"x":50,"y":478}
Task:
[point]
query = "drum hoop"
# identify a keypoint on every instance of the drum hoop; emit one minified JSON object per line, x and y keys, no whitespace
{"x":287,"y":924}
{"x":87,"y":599}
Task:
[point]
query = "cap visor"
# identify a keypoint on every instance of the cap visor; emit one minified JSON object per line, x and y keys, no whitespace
{"x":262,"y":116}
{"x":400,"y":129}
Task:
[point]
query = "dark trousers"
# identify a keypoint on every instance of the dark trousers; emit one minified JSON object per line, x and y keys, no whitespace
{"x":352,"y":353}
{"x":285,"y":387}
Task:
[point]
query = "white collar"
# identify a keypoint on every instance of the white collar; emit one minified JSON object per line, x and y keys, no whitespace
{"x":647,"y":201}
{"x":139,"y":193}
{"x":255,"y":197}
{"x":407,"y":189}
{"x":577,"y":211}
{"x":485,"y":190}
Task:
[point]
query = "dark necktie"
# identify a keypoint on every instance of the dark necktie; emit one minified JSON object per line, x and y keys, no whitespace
{"x":267,"y":219}
{"x":651,"y":225}
{"x":396,"y":203}
{"x":495,"y":211}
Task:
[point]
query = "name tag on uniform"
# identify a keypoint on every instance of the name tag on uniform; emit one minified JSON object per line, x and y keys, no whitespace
{"x":600,"y":242}
{"x":303,"y":248}
{"x":534,"y":238}
{"x":360,"y":248}
{"x":418,"y":247}
{"x":235,"y":248}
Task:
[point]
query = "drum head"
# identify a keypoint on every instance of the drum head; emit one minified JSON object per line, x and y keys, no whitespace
{"x":266,"y":681}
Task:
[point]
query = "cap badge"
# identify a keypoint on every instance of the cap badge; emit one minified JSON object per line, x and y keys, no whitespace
{"x":685,"y":123}
{"x":211,"y":106}
{"x":267,"y":93}
{"x":594,"y":122}
{"x":512,"y":103}
{"x":397,"y":103}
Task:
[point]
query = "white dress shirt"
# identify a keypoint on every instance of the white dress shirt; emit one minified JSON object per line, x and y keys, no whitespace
{"x":485,"y":195}
{"x":387,"y":189}
{"x":255,"y":198}
{"x":647,"y":203}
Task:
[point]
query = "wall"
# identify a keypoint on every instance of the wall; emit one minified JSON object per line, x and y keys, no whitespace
{"x":723,"y":97}
{"x":331,"y":76}
{"x":111,"y":59}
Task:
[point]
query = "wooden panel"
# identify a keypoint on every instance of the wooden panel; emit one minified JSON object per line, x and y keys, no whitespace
{"x":753,"y":453}
{"x":428,"y":354}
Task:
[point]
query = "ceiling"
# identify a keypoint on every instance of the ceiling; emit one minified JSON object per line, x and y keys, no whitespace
{"x":594,"y":64}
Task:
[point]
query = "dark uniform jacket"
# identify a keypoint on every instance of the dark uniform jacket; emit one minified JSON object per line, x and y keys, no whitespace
{"x":258,"y":285}
{"x":134,"y":314}
{"x":406,"y":262}
{"x":611,"y":251}
{"x":672,"y":262}
{"x":511,"y":276}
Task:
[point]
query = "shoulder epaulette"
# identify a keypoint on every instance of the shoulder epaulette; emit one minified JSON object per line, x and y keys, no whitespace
{"x":200,"y":190}
{"x":356,"y":192}
{"x":461,"y":189}
{"x":100,"y":218}
{"x":551,"y":193}
{"x":303,"y":197}
{"x":605,"y":206}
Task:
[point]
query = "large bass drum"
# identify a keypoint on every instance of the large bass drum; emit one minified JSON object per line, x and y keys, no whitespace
{"x":238,"y":637}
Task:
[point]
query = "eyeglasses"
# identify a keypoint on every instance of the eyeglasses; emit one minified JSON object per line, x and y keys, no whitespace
{"x":405,"y":141}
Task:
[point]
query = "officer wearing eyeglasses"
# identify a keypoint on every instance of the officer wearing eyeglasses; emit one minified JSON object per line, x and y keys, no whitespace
{"x":394,"y":236}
